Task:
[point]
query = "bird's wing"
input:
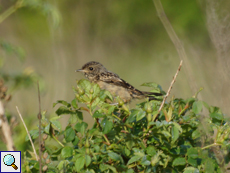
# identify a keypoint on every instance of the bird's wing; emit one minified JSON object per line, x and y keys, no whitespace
{"x":114,"y":79}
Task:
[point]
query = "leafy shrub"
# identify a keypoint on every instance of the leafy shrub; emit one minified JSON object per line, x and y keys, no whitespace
{"x":178,"y":139}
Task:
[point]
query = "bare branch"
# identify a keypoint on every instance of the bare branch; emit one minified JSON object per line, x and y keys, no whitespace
{"x":6,"y":129}
{"x":170,"y":88}
{"x":27,"y":133}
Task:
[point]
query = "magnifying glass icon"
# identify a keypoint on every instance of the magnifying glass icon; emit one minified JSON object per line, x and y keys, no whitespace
{"x":9,"y":160}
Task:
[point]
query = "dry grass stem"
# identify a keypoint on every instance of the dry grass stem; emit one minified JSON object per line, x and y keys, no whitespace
{"x":40,"y":137}
{"x":27,"y":133}
{"x":170,"y":88}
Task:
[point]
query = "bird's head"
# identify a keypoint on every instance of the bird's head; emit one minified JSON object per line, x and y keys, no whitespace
{"x":92,"y":69}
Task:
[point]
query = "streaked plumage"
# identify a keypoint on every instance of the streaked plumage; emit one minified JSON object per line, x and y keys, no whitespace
{"x":110,"y":81}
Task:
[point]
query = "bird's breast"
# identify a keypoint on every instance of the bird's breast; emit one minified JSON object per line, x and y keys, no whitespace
{"x":116,"y":90}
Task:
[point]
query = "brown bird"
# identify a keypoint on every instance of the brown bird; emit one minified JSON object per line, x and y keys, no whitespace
{"x":110,"y":81}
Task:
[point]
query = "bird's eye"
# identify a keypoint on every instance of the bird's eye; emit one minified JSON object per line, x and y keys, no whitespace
{"x":91,"y":68}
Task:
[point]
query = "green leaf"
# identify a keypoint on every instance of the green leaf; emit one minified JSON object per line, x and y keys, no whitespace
{"x":76,"y":140}
{"x":144,"y":161}
{"x":134,"y":159}
{"x":85,"y":84}
{"x":178,"y":127}
{"x":126,"y":151}
{"x":132,"y":116}
{"x":156,"y":88}
{"x":105,"y":94}
{"x":62,"y":102}
{"x":79,"y":164}
{"x":12,"y":49}
{"x":141,"y":114}
{"x":98,"y":115}
{"x":150,"y":84}
{"x":191,"y":170}
{"x":47,"y":128}
{"x":96,"y":90}
{"x":95,"y":103}
{"x":69,"y":134}
{"x":33,"y":133}
{"x":73,"y":119}
{"x":192,"y":161}
{"x":63,"y":110}
{"x":192,"y":152}
{"x":81,"y":127}
{"x":111,"y":109}
{"x":62,"y":164}
{"x":166,"y":133}
{"x":130,"y":144}
{"x":79,"y":115}
{"x":206,"y":105}
{"x":74,"y":103}
{"x":197,"y":107}
{"x":175,"y":133}
{"x":130,"y":171}
{"x":107,"y":125}
{"x":196,"y":134}
{"x":179,"y":161}
{"x":216,"y":116}
{"x":151,"y":150}
{"x":104,"y":167}
{"x":209,"y":165}
{"x":56,"y":125}
{"x":67,"y":151}
{"x":87,"y":160}
{"x":115,"y":157}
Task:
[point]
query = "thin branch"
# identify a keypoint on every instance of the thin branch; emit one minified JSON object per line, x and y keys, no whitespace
{"x":170,"y":88}
{"x":57,"y":140}
{"x":214,"y":144}
{"x":11,"y":10}
{"x":6,"y":129}
{"x":40,"y":137}
{"x":27,"y":133}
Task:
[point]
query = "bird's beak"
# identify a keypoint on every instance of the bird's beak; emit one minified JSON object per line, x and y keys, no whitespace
{"x":79,"y":70}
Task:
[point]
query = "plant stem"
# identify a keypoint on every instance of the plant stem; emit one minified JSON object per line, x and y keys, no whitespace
{"x":40,"y":135}
{"x":27,"y":133}
{"x":10,"y":10}
{"x":116,"y":117}
{"x":183,"y":110}
{"x":57,"y":140}
{"x":208,"y":146}
{"x":105,"y":137}
{"x":107,"y":140}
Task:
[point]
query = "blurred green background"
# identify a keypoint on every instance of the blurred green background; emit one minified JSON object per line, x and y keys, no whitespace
{"x":127,"y":37}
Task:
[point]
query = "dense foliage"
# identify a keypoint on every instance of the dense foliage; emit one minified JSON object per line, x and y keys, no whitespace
{"x":178,"y":139}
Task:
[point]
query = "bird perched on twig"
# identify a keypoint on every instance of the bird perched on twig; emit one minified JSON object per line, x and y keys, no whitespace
{"x":110,"y":81}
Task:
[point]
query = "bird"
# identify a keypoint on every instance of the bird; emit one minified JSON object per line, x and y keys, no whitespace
{"x":95,"y":72}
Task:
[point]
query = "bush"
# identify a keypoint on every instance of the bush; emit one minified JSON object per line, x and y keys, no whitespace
{"x":178,"y":139}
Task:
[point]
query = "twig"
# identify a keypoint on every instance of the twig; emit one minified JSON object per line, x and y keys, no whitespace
{"x":214,"y":144}
{"x":177,"y":43}
{"x":11,"y":10}
{"x":40,"y":138}
{"x":57,"y":140}
{"x":27,"y":133}
{"x":168,"y":92}
{"x":6,"y":129}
